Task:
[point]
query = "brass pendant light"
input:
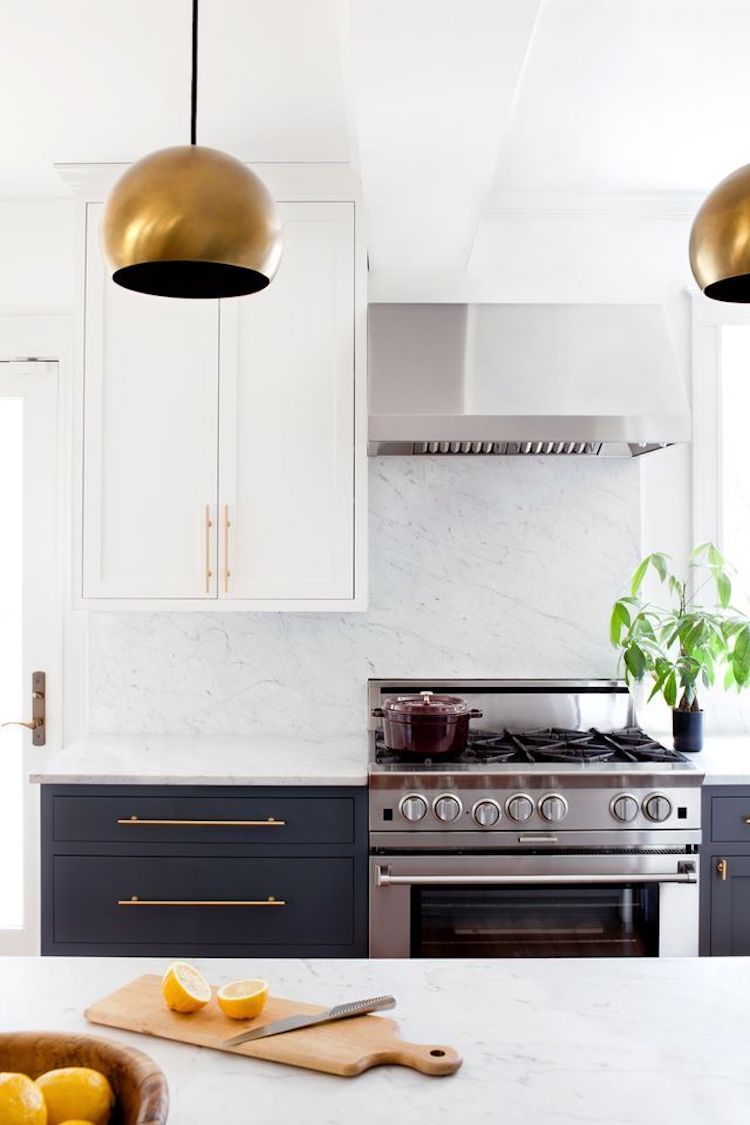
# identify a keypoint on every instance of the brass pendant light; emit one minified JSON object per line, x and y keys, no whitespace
{"x":191,"y":221}
{"x":720,"y":240}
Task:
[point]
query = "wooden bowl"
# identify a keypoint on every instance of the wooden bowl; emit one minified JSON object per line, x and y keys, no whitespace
{"x":141,"y":1092}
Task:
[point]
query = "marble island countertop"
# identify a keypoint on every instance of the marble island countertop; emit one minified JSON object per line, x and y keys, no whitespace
{"x":629,"y":1042}
{"x":203,"y":759}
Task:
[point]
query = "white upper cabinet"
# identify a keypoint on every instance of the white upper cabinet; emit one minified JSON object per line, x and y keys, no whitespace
{"x":221,"y":452}
{"x":150,"y":422}
{"x":286,"y":465}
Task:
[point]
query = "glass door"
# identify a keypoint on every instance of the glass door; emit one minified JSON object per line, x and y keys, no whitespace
{"x":29,"y":627}
{"x":585,"y":921}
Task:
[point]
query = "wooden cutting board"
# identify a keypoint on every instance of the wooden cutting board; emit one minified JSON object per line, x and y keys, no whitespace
{"x":346,"y":1047}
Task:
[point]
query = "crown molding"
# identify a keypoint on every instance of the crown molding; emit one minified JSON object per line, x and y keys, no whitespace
{"x":324,"y":181}
{"x":679,"y":206}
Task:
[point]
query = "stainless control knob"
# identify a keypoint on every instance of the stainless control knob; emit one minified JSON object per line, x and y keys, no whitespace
{"x":413,"y":807}
{"x":486,"y":813}
{"x":447,"y":807}
{"x":624,"y":807}
{"x":657,"y":807}
{"x":553,"y":807}
{"x":520,"y":807}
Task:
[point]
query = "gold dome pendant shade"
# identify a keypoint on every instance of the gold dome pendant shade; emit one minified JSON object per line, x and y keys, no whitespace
{"x":720,"y":240}
{"x":191,"y":221}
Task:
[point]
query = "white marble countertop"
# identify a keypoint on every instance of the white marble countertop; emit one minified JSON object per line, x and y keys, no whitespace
{"x":203,"y":759}
{"x":724,"y":759}
{"x":628,"y":1042}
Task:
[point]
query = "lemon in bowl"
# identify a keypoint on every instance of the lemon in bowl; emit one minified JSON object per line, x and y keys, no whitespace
{"x":21,"y":1101}
{"x":243,"y":999}
{"x":76,"y":1093}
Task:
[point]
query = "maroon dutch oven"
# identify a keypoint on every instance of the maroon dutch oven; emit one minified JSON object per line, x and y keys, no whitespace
{"x":426,"y":725}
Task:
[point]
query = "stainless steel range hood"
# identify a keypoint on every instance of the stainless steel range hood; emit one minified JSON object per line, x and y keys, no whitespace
{"x":588,"y":380}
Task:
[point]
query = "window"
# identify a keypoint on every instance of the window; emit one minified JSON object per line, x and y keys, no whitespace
{"x":734,"y":446}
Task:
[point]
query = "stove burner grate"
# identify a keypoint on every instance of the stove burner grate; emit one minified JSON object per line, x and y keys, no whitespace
{"x":550,"y":745}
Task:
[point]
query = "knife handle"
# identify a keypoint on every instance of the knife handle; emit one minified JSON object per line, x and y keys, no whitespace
{"x":362,"y":1007}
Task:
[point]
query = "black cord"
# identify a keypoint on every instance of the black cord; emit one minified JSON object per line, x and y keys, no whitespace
{"x":194,"y":77}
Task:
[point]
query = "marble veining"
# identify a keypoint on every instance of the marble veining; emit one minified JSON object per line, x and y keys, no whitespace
{"x":610,"y":1042}
{"x":204,"y":759}
{"x":478,"y":567}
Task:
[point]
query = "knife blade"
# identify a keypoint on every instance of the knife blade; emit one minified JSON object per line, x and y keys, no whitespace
{"x":293,"y":1023}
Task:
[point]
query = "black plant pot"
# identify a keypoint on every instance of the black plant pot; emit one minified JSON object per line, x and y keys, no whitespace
{"x":687,"y":729}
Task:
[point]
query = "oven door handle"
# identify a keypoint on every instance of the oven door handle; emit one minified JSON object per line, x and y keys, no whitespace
{"x":686,"y":873}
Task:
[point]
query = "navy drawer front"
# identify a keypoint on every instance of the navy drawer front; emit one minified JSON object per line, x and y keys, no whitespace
{"x":267,"y":820}
{"x":730,"y":819}
{"x":318,"y":896}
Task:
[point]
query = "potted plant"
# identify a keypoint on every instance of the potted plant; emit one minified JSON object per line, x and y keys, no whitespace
{"x":687,"y":644}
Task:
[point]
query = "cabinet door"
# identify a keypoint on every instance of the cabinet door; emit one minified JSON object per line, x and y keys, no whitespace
{"x":730,"y":906}
{"x":150,"y":439}
{"x":286,"y":477}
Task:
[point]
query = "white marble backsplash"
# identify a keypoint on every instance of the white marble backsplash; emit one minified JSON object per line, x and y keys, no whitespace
{"x":478,"y":567}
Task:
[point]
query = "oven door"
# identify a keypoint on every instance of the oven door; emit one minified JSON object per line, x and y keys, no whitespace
{"x":544,"y":905}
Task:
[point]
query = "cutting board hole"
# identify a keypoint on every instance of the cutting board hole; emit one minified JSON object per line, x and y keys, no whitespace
{"x":437,"y":1054}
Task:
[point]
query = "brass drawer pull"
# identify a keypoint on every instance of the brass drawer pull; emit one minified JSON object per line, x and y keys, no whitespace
{"x":270,"y":822}
{"x":227,"y":571}
{"x":209,"y":572}
{"x":721,"y":870}
{"x":135,"y":901}
{"x":746,"y":820}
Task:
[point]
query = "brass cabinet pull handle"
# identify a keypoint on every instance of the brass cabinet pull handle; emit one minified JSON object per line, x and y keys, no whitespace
{"x":721,"y":870}
{"x":209,"y":525}
{"x":271,"y":822}
{"x":746,"y":819}
{"x":227,"y":571}
{"x":134,"y":900}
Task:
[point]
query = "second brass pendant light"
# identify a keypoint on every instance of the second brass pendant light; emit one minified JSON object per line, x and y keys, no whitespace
{"x":191,"y":221}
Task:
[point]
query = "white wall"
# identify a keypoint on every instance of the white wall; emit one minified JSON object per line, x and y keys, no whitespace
{"x":37,"y":256}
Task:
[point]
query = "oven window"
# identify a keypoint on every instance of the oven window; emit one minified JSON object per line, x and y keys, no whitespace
{"x":617,"y":921}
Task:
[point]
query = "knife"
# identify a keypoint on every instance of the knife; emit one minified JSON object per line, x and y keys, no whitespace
{"x":292,"y":1023}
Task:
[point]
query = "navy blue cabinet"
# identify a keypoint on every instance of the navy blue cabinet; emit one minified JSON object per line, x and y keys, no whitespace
{"x":204,"y":871}
{"x":725,"y":872}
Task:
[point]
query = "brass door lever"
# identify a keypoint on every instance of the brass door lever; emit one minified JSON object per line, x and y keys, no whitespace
{"x":38,"y":723}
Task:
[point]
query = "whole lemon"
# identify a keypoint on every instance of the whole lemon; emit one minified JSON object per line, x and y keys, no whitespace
{"x":21,"y":1103}
{"x":76,"y":1093}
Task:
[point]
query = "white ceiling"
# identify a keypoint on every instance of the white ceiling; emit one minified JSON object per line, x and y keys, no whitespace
{"x":450,"y":108}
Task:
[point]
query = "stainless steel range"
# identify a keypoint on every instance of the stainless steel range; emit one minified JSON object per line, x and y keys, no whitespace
{"x":561,"y":830}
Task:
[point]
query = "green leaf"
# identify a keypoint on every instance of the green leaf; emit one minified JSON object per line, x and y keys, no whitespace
{"x":741,"y":657}
{"x":661,"y":564}
{"x":670,"y":690}
{"x":635,"y":662}
{"x":620,"y":620}
{"x":640,"y":574}
{"x":724,"y":587}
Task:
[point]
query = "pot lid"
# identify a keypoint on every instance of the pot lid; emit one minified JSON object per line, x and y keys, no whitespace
{"x":425,"y":704}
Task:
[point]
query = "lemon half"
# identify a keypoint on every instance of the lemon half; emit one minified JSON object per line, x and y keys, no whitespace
{"x":76,"y":1093}
{"x":243,"y":999}
{"x":184,"y":988}
{"x":21,"y":1101}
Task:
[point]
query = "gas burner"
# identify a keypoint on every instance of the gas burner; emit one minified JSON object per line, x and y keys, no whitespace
{"x":572,"y":753}
{"x":546,"y":745}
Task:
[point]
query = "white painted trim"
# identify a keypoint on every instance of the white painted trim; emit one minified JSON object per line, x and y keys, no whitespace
{"x":289,"y":183}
